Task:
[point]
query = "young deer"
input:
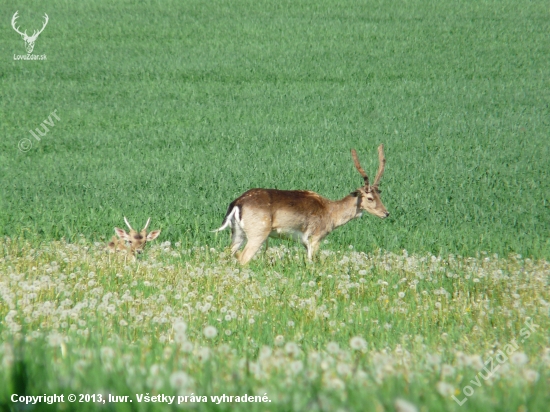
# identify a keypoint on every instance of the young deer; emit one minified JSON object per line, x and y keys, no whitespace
{"x":136,"y":240}
{"x":304,"y":215}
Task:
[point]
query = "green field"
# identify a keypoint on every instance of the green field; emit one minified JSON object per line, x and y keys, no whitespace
{"x":171,"y":110}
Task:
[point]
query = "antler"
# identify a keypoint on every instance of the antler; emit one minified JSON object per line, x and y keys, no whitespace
{"x":382,"y":161}
{"x":127,"y":223}
{"x":358,"y":167}
{"x":147,"y":224}
{"x":13,"y":22}
{"x":35,"y":33}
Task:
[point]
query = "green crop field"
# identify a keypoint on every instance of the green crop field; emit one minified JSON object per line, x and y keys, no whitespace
{"x":171,"y":110}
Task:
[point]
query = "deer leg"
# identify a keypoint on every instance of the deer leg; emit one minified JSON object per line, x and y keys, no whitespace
{"x":254,"y":243}
{"x":312,"y":247}
{"x":237,"y":238}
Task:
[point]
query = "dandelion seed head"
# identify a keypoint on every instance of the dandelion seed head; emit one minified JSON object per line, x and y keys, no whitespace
{"x":180,"y":380}
{"x":55,"y":339}
{"x":292,"y":349}
{"x":445,"y":389}
{"x":107,"y":352}
{"x":187,"y":346}
{"x":519,"y":358}
{"x":447,"y":370}
{"x":203,"y":354}
{"x":333,"y":347}
{"x":530,"y":375}
{"x":358,"y":343}
{"x":179,"y":326}
{"x":210,"y":332}
{"x":401,"y":405}
{"x":296,"y":366}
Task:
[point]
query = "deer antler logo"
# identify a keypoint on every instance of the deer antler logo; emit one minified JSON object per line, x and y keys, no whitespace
{"x":29,"y":40}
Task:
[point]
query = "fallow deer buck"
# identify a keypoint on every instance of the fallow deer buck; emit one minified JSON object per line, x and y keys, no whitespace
{"x":136,"y":240}
{"x":301,"y":214}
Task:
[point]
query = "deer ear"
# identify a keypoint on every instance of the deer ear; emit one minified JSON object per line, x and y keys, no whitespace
{"x":153,"y":235}
{"x":122,"y":234}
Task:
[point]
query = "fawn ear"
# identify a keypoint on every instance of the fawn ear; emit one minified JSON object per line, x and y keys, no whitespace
{"x":122,"y":234}
{"x":153,"y":235}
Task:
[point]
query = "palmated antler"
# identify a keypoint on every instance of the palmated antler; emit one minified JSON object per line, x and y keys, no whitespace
{"x":358,"y":167}
{"x":381,"y":166}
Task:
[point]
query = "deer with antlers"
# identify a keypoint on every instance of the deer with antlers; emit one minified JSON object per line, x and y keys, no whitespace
{"x":29,"y":40}
{"x":134,"y":241}
{"x":304,"y":215}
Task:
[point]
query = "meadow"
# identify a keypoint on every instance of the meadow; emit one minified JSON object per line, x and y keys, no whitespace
{"x":170,"y":110}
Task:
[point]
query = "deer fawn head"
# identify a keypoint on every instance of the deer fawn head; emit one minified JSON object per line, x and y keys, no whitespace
{"x":370,"y":194}
{"x":136,"y":240}
{"x":29,"y":40}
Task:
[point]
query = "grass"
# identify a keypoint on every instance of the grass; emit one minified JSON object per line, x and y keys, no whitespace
{"x":351,"y":330}
{"x":173,"y":109}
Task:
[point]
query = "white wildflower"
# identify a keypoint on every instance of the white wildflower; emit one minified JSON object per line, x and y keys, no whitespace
{"x":292,"y":349}
{"x":296,"y":366}
{"x":445,"y":389}
{"x":519,"y":358}
{"x":187,"y":347}
{"x":210,"y":332}
{"x":335,"y":383}
{"x":333,"y":347}
{"x":180,"y":380}
{"x":447,"y":370}
{"x":55,"y":339}
{"x":358,"y":343}
{"x":107,"y":353}
{"x":530,"y":375}
{"x":401,"y":405}
{"x":343,"y":369}
{"x":203,"y":354}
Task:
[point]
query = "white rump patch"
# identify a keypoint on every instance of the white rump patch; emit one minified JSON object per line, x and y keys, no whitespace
{"x":229,"y":220}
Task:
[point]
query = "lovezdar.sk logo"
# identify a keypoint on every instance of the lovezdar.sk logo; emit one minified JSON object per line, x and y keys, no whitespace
{"x":29,"y":40}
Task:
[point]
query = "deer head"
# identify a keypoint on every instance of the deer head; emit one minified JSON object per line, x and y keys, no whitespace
{"x":370,"y":194}
{"x":136,"y":240}
{"x":29,"y":40}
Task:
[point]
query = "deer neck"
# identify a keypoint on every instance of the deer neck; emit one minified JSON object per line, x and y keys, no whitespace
{"x":344,"y":210}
